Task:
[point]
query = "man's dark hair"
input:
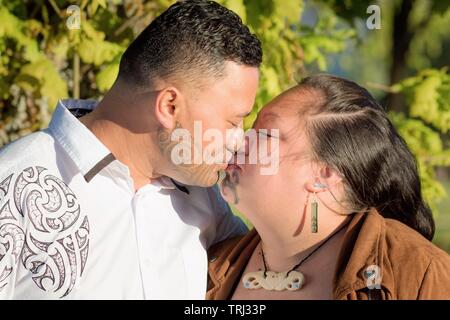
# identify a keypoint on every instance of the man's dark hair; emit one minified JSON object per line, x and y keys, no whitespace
{"x":190,"y":39}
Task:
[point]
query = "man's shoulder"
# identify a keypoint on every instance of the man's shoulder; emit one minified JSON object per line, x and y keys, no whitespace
{"x":24,"y":151}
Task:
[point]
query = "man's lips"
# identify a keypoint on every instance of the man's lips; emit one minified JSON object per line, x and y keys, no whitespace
{"x":223,"y":167}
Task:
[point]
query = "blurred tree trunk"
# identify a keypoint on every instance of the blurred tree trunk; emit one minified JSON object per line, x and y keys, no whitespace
{"x":401,"y":40}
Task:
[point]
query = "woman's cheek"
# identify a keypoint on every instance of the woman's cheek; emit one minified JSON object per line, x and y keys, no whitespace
{"x":254,"y":179}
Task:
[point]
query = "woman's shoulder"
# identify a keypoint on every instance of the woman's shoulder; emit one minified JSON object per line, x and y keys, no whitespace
{"x":417,"y":263}
{"x":402,"y":238}
{"x":410,"y":266}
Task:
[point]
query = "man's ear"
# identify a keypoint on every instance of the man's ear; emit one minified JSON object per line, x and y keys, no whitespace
{"x":167,"y":106}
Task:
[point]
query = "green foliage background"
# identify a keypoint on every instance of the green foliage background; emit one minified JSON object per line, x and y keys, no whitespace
{"x":42,"y":60}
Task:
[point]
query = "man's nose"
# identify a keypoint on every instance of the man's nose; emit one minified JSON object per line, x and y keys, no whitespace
{"x":234,"y":140}
{"x":244,"y":147}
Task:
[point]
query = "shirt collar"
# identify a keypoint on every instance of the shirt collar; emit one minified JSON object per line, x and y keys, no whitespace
{"x":169,"y":183}
{"x":87,"y":152}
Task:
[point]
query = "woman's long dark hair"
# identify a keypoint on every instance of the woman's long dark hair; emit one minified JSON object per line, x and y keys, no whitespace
{"x":350,"y":131}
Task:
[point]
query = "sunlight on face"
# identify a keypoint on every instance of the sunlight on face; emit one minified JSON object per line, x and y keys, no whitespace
{"x":256,"y":193}
{"x":220,"y":106}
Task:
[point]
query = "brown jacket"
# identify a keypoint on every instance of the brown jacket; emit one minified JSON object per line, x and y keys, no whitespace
{"x":411,"y":267}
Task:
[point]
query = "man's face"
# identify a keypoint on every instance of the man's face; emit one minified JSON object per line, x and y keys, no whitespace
{"x":213,"y":116}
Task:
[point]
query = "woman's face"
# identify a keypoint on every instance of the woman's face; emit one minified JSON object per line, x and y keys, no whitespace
{"x":256,"y":194}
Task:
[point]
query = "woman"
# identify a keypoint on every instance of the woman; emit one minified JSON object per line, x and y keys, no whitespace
{"x":343,"y":218}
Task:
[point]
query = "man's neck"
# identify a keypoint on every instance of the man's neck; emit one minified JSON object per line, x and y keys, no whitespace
{"x":131,"y":147}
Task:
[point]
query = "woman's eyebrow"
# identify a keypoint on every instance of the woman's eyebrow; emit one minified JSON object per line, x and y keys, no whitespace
{"x":243,"y":115}
{"x":271,"y":115}
{"x":268,"y":115}
{"x":265,"y":116}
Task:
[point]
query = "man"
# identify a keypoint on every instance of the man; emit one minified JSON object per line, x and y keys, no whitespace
{"x":95,"y":207}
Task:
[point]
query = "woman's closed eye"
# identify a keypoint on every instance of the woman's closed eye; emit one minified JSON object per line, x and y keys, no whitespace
{"x":265,"y":133}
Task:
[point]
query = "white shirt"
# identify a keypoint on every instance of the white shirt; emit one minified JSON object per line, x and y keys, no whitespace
{"x":71,"y":225}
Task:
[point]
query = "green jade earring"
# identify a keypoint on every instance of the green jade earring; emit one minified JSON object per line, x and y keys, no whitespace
{"x":315,"y":209}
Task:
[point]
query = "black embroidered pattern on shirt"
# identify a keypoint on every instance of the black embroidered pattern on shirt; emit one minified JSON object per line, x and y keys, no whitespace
{"x":41,"y":226}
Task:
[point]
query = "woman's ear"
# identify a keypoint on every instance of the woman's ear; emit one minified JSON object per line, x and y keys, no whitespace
{"x":315,"y":186}
{"x":168,"y":103}
{"x":324,"y":179}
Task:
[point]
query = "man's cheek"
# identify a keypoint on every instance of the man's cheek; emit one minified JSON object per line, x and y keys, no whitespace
{"x":216,"y":154}
{"x":200,"y":175}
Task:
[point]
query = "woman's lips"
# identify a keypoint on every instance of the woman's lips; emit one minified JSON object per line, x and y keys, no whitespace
{"x":232,"y":167}
{"x":232,"y":176}
{"x":233,"y":172}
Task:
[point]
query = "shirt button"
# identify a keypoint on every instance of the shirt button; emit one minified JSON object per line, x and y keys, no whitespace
{"x":212,"y":259}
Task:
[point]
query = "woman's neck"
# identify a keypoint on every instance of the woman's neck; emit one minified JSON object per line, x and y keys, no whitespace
{"x":282,"y":251}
